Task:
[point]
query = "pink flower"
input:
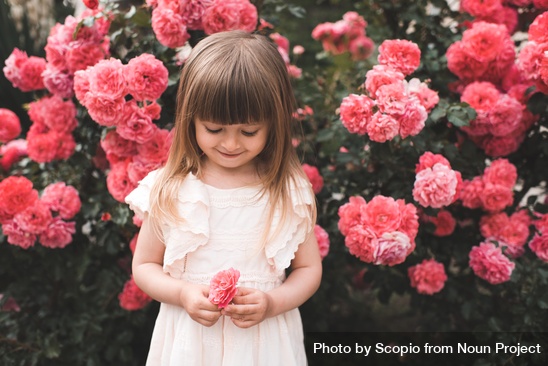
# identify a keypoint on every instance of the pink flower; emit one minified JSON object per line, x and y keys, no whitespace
{"x":496,"y":197}
{"x":91,"y":4}
{"x":119,"y":184}
{"x":539,"y":246}
{"x":314,"y":177}
{"x":444,"y":222}
{"x":156,"y":149}
{"x":17,"y":236}
{"x":323,"y":240}
{"x":392,"y":248}
{"x":132,"y":297}
{"x":24,"y":73}
{"x":484,"y":40}
{"x":429,"y":159}
{"x":488,"y":263}
{"x":146,"y":77}
{"x":169,"y":27}
{"x":58,"y":82}
{"x":502,"y":172}
{"x":115,"y":145}
{"x":538,"y":28}
{"x":392,"y":98}
{"x":399,"y":54}
{"x":356,"y":111}
{"x":58,"y":234}
{"x":409,"y":220}
{"x":435,"y":187}
{"x":463,"y":65}
{"x":382,"y":215}
{"x":34,"y":219}
{"x":106,"y":79}
{"x":223,"y":287}
{"x":505,"y":116}
{"x":193,"y":11}
{"x":10,"y":126}
{"x":361,"y":242}
{"x":427,"y":97}
{"x":350,"y":214}
{"x":361,"y":47}
{"x":54,"y":113}
{"x":481,"y":95}
{"x":381,"y":75}
{"x":382,"y":127}
{"x":12,"y":152}
{"x":16,"y":194}
{"x":413,"y":119}
{"x":224,"y":15}
{"x":136,"y":124}
{"x":480,"y":8}
{"x":428,"y":277}
{"x":59,"y":197}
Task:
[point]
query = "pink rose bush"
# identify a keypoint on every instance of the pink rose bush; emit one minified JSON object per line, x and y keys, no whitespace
{"x":382,"y":231}
{"x":511,"y":232}
{"x":322,"y":237}
{"x":489,"y":263}
{"x":428,"y":277}
{"x":25,"y":217}
{"x":223,"y":287}
{"x":314,"y":177}
{"x":393,"y":106}
{"x":345,"y":35}
{"x":132,"y":297}
{"x":532,"y":59}
{"x":436,"y":184}
{"x":225,"y":15}
{"x":283,"y":47}
{"x":492,"y":191}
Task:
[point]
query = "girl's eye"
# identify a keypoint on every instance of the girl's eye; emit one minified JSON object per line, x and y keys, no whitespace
{"x":213,"y":131}
{"x":249,"y":134}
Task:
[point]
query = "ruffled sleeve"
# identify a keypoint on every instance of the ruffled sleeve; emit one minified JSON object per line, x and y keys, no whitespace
{"x":281,"y":249}
{"x":184,"y":236}
{"x":139,"y":199}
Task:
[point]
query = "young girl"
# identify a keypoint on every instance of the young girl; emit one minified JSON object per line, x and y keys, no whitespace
{"x":232,"y":195}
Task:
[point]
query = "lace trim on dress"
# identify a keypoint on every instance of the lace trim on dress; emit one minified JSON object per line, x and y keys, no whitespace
{"x":281,"y":250}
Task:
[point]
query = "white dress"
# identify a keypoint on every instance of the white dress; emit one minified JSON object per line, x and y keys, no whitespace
{"x":222,"y":229}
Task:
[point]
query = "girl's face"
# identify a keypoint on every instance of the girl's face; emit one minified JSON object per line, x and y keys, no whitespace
{"x":231,"y":147}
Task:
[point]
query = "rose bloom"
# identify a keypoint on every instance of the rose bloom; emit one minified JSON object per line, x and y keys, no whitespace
{"x":502,"y":172}
{"x":114,"y":144}
{"x":428,"y":277}
{"x":350,"y":214}
{"x":34,"y":219}
{"x":409,"y":220}
{"x":42,"y":147}
{"x":392,"y":248}
{"x":104,"y":110}
{"x":505,"y":116}
{"x":382,"y":127}
{"x":355,"y":112}
{"x":118,"y":183}
{"x":92,"y":4}
{"x":498,"y":146}
{"x":392,"y":98}
{"x":488,"y":263}
{"x":16,"y":194}
{"x":429,"y":159}
{"x":17,"y":236}
{"x":413,"y":119}
{"x":496,"y":197}
{"x":223,"y":287}
{"x":435,"y":187}
{"x":10,"y":126}
{"x":59,"y":197}
{"x":481,"y":95}
{"x":106,"y":78}
{"x":192,"y":12}
{"x":135,"y":124}
{"x":463,"y":65}
{"x":25,"y":73}
{"x":138,"y":168}
{"x":361,"y":242}
{"x":54,"y":113}
{"x":444,"y":222}
{"x":485,"y":41}
{"x":225,"y":15}
{"x":12,"y":152}
{"x":401,"y":55}
{"x":58,"y":234}
{"x":156,"y":149}
{"x":132,"y":297}
{"x":146,"y":77}
{"x":538,"y":29}
{"x":59,"y":82}
{"x":539,"y":246}
{"x":314,"y":177}
{"x":427,"y":97}
{"x":323,"y":240}
{"x":382,"y":214}
{"x":361,"y":47}
{"x":381,"y":75}
{"x":169,"y":28}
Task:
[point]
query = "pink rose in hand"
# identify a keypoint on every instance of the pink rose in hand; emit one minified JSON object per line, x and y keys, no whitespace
{"x":222,"y":288}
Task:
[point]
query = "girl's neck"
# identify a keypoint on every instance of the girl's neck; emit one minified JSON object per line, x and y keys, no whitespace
{"x":225,"y":179}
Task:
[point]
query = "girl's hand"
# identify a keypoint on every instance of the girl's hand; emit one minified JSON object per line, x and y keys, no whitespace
{"x":249,"y":307}
{"x":194,"y":300}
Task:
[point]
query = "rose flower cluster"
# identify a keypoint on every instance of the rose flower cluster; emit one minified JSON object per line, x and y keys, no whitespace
{"x":381,"y":231}
{"x":533,"y":57}
{"x":436,"y":184}
{"x":283,"y":48}
{"x":172,"y":19}
{"x":492,"y":191}
{"x":510,"y":232}
{"x":393,"y":105}
{"x":539,"y":244}
{"x":346,"y":35}
{"x":25,"y":217}
{"x":428,"y":277}
{"x":489,"y":263}
{"x":137,"y":145}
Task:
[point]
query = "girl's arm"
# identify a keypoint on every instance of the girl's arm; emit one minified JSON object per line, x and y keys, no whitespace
{"x":252,"y":306}
{"x":149,"y":276}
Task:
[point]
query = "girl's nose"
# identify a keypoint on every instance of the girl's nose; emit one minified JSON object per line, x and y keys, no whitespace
{"x":231,"y":143}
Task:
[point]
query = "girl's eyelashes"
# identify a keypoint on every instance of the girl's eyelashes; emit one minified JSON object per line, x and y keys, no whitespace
{"x":245,"y":133}
{"x":249,"y":134}
{"x":213,"y":131}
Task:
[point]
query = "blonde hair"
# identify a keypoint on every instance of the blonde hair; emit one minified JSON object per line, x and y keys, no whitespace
{"x":232,"y":78}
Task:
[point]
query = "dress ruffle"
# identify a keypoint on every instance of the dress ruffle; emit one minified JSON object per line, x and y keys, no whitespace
{"x":280,"y":251}
{"x":189,"y":234}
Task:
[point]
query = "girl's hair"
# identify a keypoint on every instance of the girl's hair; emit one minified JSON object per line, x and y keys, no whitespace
{"x":232,"y":78}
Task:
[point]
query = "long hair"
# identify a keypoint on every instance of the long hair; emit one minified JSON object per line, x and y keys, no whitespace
{"x":232,"y":78}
